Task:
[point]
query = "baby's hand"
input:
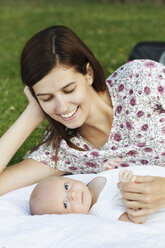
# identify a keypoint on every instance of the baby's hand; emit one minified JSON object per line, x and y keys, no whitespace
{"x":126,"y":176}
{"x":111,"y":163}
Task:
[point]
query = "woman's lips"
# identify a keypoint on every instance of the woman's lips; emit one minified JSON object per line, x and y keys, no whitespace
{"x":69,"y":118}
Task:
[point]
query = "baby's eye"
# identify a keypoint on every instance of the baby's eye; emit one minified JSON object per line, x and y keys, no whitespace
{"x":65,"y":204}
{"x":66,"y":186}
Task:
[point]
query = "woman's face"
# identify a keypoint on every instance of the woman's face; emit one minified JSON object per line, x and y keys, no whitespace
{"x":66,"y":95}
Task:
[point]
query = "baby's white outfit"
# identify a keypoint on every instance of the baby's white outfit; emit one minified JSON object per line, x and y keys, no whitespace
{"x":109,"y":203}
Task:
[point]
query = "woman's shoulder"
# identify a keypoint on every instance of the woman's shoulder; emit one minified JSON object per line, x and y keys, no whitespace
{"x":137,"y":67}
{"x":137,"y":73}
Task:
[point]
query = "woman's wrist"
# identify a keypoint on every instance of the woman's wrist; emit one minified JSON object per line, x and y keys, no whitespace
{"x":35,"y":113}
{"x":15,"y":136}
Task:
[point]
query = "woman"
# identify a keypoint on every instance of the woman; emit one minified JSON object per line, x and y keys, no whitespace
{"x":91,"y":120}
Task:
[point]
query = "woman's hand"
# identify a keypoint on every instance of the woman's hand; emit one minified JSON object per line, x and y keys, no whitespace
{"x":143,"y":197}
{"x":33,"y":104}
{"x":15,"y":136}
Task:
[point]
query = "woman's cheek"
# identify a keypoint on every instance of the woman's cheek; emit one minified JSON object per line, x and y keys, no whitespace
{"x":79,"y":99}
{"x":48,"y":109}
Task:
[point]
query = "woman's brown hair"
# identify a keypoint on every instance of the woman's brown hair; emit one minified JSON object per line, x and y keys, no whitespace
{"x":54,"y":46}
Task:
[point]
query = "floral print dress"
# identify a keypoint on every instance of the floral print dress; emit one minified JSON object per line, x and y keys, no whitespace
{"x":137,"y":137}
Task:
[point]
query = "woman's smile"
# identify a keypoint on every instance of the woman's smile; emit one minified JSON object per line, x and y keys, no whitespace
{"x":70,"y":115}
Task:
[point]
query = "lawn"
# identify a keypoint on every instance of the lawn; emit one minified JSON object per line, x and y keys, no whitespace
{"x":110,"y":30}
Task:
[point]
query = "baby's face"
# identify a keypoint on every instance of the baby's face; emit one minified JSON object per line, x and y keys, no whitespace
{"x":71,"y":196}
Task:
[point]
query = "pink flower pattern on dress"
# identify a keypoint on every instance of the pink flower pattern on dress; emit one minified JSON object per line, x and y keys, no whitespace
{"x":140,"y":113}
{"x":149,"y":64}
{"x":145,"y":127}
{"x":147,"y":90}
{"x":137,"y":135}
{"x":133,"y":101}
{"x":160,"y":89}
{"x":117,"y":137}
{"x":95,"y":154}
{"x":121,"y":87}
{"x":129,"y":125}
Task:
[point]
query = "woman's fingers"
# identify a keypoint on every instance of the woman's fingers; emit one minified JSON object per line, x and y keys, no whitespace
{"x":144,"y":179}
{"x":139,"y":212}
{"x":136,"y":197}
{"x":143,"y":184}
{"x":28,"y":93}
{"x":131,"y":187}
{"x":137,"y":204}
{"x":34,"y":105}
{"x":153,"y":186}
{"x":139,"y":180}
{"x":137,"y":219}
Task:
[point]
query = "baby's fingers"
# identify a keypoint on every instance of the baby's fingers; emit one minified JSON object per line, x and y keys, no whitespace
{"x":126,"y":176}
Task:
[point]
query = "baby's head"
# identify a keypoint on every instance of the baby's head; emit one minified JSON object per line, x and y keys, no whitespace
{"x":60,"y":195}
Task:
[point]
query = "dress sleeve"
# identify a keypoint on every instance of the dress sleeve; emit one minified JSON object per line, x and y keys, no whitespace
{"x":152,"y":79}
{"x":145,"y":77}
{"x":44,"y":154}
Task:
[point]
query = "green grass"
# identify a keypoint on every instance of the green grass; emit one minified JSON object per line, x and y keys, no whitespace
{"x":109,"y":30}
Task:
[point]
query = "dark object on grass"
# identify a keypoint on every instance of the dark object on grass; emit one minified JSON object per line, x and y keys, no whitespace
{"x":148,"y":50}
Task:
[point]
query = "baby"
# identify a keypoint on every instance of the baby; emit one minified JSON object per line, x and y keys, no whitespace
{"x":63,"y":195}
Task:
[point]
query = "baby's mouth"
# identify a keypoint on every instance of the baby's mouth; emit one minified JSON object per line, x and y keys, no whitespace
{"x":82,"y":197}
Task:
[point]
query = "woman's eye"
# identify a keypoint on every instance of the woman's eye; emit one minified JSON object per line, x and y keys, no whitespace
{"x":65,"y":204}
{"x":66,"y":186}
{"x":68,"y":91}
{"x":46,"y":100}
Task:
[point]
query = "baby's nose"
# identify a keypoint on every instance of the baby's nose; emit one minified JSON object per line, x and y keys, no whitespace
{"x":74,"y":195}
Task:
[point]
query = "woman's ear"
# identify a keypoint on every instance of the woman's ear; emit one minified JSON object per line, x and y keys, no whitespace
{"x":89,"y":73}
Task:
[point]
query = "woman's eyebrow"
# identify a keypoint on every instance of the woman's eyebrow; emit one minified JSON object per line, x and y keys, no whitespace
{"x":68,"y":85}
{"x":44,"y":94}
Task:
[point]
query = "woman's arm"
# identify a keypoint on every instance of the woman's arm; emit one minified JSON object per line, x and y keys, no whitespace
{"x":145,"y":196}
{"x":15,"y":136}
{"x":28,"y":171}
{"x":25,"y":173}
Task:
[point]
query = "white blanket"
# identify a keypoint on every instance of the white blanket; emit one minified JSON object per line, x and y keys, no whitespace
{"x":18,"y":229}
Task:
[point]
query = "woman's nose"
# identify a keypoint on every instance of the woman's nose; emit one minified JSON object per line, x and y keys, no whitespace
{"x":61,"y":105}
